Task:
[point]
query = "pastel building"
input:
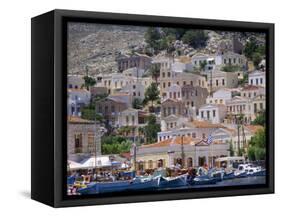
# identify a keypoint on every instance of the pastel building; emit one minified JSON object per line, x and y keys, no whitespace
{"x":257,"y":78}
{"x":219,"y":79}
{"x":214,"y":113}
{"x":221,"y":95}
{"x":75,"y":81}
{"x":168,"y":153}
{"x":77,"y":99}
{"x":83,"y":138}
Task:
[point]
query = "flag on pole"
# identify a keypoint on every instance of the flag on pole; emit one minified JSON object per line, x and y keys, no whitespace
{"x":209,"y":139}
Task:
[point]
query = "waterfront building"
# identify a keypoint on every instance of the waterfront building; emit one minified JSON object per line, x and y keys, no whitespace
{"x":83,"y":138}
{"x":183,"y":151}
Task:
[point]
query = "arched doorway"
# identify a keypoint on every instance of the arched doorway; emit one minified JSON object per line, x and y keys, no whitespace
{"x":202,"y":161}
{"x":178,"y":161}
{"x":189,"y":162}
{"x":160,"y":163}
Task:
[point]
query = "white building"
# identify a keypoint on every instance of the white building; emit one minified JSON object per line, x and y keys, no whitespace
{"x":215,"y":113}
{"x":230,"y":58}
{"x":252,"y":91}
{"x":172,"y":122}
{"x":200,"y":58}
{"x":75,"y":81}
{"x":128,"y":117}
{"x":257,"y":78}
{"x":116,"y":81}
{"x":221,"y":95}
{"x":172,"y":92}
{"x":220,"y":79}
{"x":77,"y":99}
{"x":136,"y":90}
{"x":134,"y":72}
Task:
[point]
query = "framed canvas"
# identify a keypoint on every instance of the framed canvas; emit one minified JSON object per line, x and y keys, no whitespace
{"x":133,"y":108}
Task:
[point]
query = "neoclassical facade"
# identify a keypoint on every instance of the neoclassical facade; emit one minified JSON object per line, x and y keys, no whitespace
{"x":168,"y":153}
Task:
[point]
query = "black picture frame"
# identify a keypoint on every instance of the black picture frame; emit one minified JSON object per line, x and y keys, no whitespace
{"x":48,"y":148}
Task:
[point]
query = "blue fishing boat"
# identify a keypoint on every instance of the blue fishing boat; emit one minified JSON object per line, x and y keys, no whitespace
{"x":104,"y":187}
{"x":203,"y":180}
{"x":172,"y":182}
{"x":228,"y":175}
{"x":139,"y":184}
{"x":216,"y":174}
{"x":71,"y":179}
{"x":107,"y":187}
{"x":256,"y":171}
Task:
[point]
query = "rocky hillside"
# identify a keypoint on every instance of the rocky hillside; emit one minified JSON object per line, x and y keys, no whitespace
{"x":93,"y":47}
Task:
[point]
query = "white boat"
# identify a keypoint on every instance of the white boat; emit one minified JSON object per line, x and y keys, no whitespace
{"x":245,"y":170}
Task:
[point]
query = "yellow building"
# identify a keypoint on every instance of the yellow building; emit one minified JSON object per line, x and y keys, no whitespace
{"x":180,"y":151}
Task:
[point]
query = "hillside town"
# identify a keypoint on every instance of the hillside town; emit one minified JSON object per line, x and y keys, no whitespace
{"x":180,"y":100}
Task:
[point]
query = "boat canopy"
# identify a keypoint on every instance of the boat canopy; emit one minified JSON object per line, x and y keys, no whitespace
{"x":236,"y":158}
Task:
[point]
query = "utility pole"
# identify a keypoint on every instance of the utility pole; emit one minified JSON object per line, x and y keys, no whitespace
{"x":182,"y":153}
{"x":211,"y":84}
{"x":238,"y":134}
{"x":135,"y":152}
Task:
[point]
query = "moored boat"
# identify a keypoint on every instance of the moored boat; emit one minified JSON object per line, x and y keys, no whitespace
{"x":172,"y":182}
{"x":117,"y":186}
{"x":203,"y":180}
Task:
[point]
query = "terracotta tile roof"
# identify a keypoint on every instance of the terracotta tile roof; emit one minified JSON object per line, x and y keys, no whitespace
{"x":120,"y":94}
{"x":187,"y":140}
{"x":206,"y":124}
{"x":253,"y":128}
{"x":184,"y":59}
{"x":126,"y":155}
{"x":250,"y":87}
{"x":77,"y":90}
{"x":78,"y":120}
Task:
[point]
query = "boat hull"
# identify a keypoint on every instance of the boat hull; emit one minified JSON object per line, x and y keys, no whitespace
{"x":97,"y":188}
{"x":172,"y":183}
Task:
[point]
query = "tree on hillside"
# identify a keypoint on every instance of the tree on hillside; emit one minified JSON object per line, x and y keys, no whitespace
{"x":177,"y":33}
{"x":202,"y":65}
{"x":115,"y":145}
{"x":260,"y":119}
{"x":254,"y":51}
{"x":151,"y":129}
{"x":89,"y":82}
{"x":151,"y":94}
{"x":195,"y":38}
{"x":137,"y":103}
{"x":155,"y":71}
{"x":257,"y":58}
{"x":152,"y":37}
{"x":257,"y":150}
